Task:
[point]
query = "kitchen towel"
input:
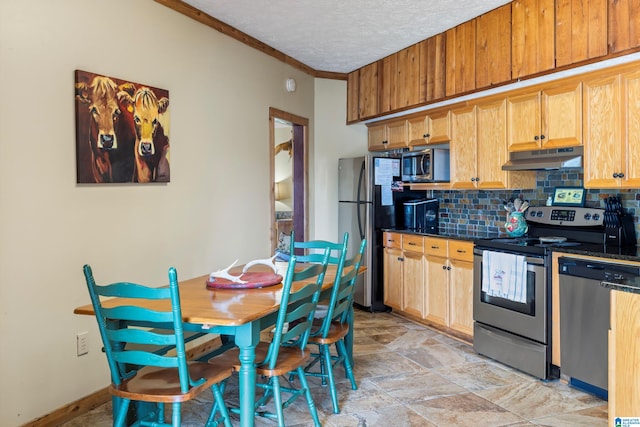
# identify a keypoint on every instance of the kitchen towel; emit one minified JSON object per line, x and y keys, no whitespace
{"x":504,"y":275}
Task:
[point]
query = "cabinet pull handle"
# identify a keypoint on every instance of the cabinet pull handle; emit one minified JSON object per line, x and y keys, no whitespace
{"x":461,"y":251}
{"x":435,"y":247}
{"x":412,"y":243}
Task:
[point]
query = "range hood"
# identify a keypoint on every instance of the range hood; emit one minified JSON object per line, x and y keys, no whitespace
{"x":554,"y":158}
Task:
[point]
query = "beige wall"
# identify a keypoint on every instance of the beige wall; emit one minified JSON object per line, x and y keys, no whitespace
{"x":215,"y":209}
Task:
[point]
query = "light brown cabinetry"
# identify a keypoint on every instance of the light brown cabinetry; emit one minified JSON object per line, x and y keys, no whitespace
{"x":624,"y":356}
{"x":392,"y":266}
{"x":550,"y":118}
{"x":612,"y":143}
{"x":388,"y":136}
{"x":623,"y":28}
{"x":353,"y":89}
{"x":432,"y":68}
{"x":461,"y":58}
{"x":437,"y":306}
{"x":493,"y":47}
{"x":461,"y":286}
{"x":431,"y":128}
{"x":368,"y":91}
{"x":479,"y":148}
{"x":532,"y":37}
{"x":413,"y":291}
{"x":581,"y":30}
{"x":387,"y":69}
{"x":408,"y":78}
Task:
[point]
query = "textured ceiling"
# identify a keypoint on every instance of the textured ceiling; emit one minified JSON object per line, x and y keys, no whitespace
{"x":342,"y":35}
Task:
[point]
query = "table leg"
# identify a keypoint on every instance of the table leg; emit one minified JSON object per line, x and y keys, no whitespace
{"x":246,"y":339}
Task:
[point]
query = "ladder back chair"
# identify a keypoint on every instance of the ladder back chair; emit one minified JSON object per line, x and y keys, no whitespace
{"x":334,"y":327}
{"x":141,"y":368}
{"x":286,"y":353}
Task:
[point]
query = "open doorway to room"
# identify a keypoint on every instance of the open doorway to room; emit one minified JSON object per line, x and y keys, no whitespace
{"x":288,"y":153}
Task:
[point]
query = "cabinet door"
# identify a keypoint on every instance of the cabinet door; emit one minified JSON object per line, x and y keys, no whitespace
{"x":413,"y":283}
{"x":377,"y":137}
{"x":623,"y":29}
{"x":524,"y":121}
{"x":408,"y":77}
{"x":437,"y":279}
{"x":392,"y":284}
{"x":463,"y":159}
{"x":492,"y":144}
{"x":387,"y":67}
{"x":368,"y":91}
{"x":432,"y":68}
{"x":439,"y":126}
{"x":493,"y":47}
{"x":602,"y":132}
{"x":397,"y":134}
{"x":581,"y":30}
{"x":353,"y":89}
{"x":562,"y":116}
{"x":461,"y":296}
{"x":630,"y":84}
{"x":417,"y":130}
{"x":532,"y":36}
{"x":461,"y":58}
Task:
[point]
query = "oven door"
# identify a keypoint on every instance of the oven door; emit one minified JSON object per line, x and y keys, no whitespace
{"x":527,"y":319}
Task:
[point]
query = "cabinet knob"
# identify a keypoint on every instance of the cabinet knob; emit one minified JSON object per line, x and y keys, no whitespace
{"x":426,"y":135}
{"x":541,"y":136}
{"x":621,"y":175}
{"x":448,"y":268}
{"x":400,"y":258}
{"x":444,"y":267}
{"x":535,"y":138}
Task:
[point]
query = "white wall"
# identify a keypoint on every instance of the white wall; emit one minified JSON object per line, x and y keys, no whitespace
{"x":215,"y":209}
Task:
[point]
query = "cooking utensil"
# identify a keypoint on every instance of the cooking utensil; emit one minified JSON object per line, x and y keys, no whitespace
{"x":524,"y":206}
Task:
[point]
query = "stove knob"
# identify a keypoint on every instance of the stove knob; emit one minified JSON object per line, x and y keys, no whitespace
{"x":596,"y":217}
{"x":532,"y":213}
{"x":540,"y":214}
{"x":587,"y":216}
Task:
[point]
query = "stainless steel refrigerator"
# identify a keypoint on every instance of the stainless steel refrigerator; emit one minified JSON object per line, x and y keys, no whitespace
{"x":368,"y":203}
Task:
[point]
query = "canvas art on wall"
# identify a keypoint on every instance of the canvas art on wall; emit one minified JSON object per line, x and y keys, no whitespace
{"x":122,"y":130}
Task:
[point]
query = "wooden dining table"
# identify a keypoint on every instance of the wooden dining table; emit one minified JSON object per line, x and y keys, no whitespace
{"x":238,"y":313}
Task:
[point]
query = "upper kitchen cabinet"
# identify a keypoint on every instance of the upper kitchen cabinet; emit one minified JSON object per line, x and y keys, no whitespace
{"x":408,"y":78}
{"x":612,"y":131}
{"x":493,"y":47}
{"x":432,"y":68}
{"x":550,"y":118}
{"x":353,"y":88}
{"x":532,"y":37}
{"x":387,"y":68}
{"x":461,"y":58}
{"x":368,"y":91}
{"x":463,"y":160}
{"x":388,"y":136}
{"x":434,"y":127}
{"x":623,"y":25}
{"x":581,"y":30}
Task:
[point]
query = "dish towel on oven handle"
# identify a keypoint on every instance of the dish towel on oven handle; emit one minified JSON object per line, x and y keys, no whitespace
{"x":504,"y":275}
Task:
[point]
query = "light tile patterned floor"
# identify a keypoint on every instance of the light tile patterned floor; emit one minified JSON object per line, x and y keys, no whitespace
{"x":410,"y":375}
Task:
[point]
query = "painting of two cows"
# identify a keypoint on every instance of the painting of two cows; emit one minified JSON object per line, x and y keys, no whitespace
{"x":122,"y":130}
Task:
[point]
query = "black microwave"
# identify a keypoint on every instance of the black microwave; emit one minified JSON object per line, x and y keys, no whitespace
{"x":428,"y":165}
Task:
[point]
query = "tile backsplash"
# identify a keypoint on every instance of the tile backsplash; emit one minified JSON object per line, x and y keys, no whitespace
{"x":481,"y":213}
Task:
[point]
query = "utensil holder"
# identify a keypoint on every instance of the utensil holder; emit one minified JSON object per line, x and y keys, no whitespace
{"x":516,"y":225}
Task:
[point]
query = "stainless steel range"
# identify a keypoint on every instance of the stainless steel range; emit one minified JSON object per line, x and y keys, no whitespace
{"x":512,"y":286}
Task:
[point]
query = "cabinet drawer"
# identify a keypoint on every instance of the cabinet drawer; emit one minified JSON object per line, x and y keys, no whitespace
{"x":435,"y":246}
{"x":412,"y":243}
{"x":460,"y":250}
{"x":392,"y":240}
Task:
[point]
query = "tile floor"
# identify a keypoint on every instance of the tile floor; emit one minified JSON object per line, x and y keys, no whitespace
{"x":410,"y":375}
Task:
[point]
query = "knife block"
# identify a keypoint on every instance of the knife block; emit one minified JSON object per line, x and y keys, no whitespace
{"x":622,"y":235}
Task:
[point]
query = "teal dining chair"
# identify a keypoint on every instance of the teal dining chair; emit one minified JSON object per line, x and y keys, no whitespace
{"x":137,"y":328}
{"x":287,"y":352}
{"x":334,"y":327}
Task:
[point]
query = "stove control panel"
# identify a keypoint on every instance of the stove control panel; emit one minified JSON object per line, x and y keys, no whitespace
{"x":569,"y":216}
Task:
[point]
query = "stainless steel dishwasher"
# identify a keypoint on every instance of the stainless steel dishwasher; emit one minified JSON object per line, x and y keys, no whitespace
{"x":584,"y":320}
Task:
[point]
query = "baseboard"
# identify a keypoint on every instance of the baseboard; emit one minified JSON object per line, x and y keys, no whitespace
{"x":102,"y":396}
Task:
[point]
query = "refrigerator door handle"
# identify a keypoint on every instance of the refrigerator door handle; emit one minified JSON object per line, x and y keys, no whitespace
{"x":359,"y":201}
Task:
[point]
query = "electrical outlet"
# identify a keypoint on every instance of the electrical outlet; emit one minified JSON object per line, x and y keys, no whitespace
{"x":82,"y":343}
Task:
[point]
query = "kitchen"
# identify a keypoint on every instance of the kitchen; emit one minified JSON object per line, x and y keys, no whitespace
{"x":31,"y":234}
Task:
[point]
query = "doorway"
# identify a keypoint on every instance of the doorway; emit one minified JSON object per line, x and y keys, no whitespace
{"x":288,"y":135}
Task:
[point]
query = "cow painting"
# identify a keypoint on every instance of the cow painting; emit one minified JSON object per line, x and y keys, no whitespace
{"x":151,"y":148}
{"x":112,"y":144}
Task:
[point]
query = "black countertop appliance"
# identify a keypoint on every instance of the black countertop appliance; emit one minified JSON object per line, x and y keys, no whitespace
{"x":421,"y":215}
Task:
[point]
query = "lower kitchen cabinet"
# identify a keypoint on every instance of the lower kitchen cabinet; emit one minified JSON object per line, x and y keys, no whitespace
{"x":430,"y":279}
{"x":624,"y":356}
